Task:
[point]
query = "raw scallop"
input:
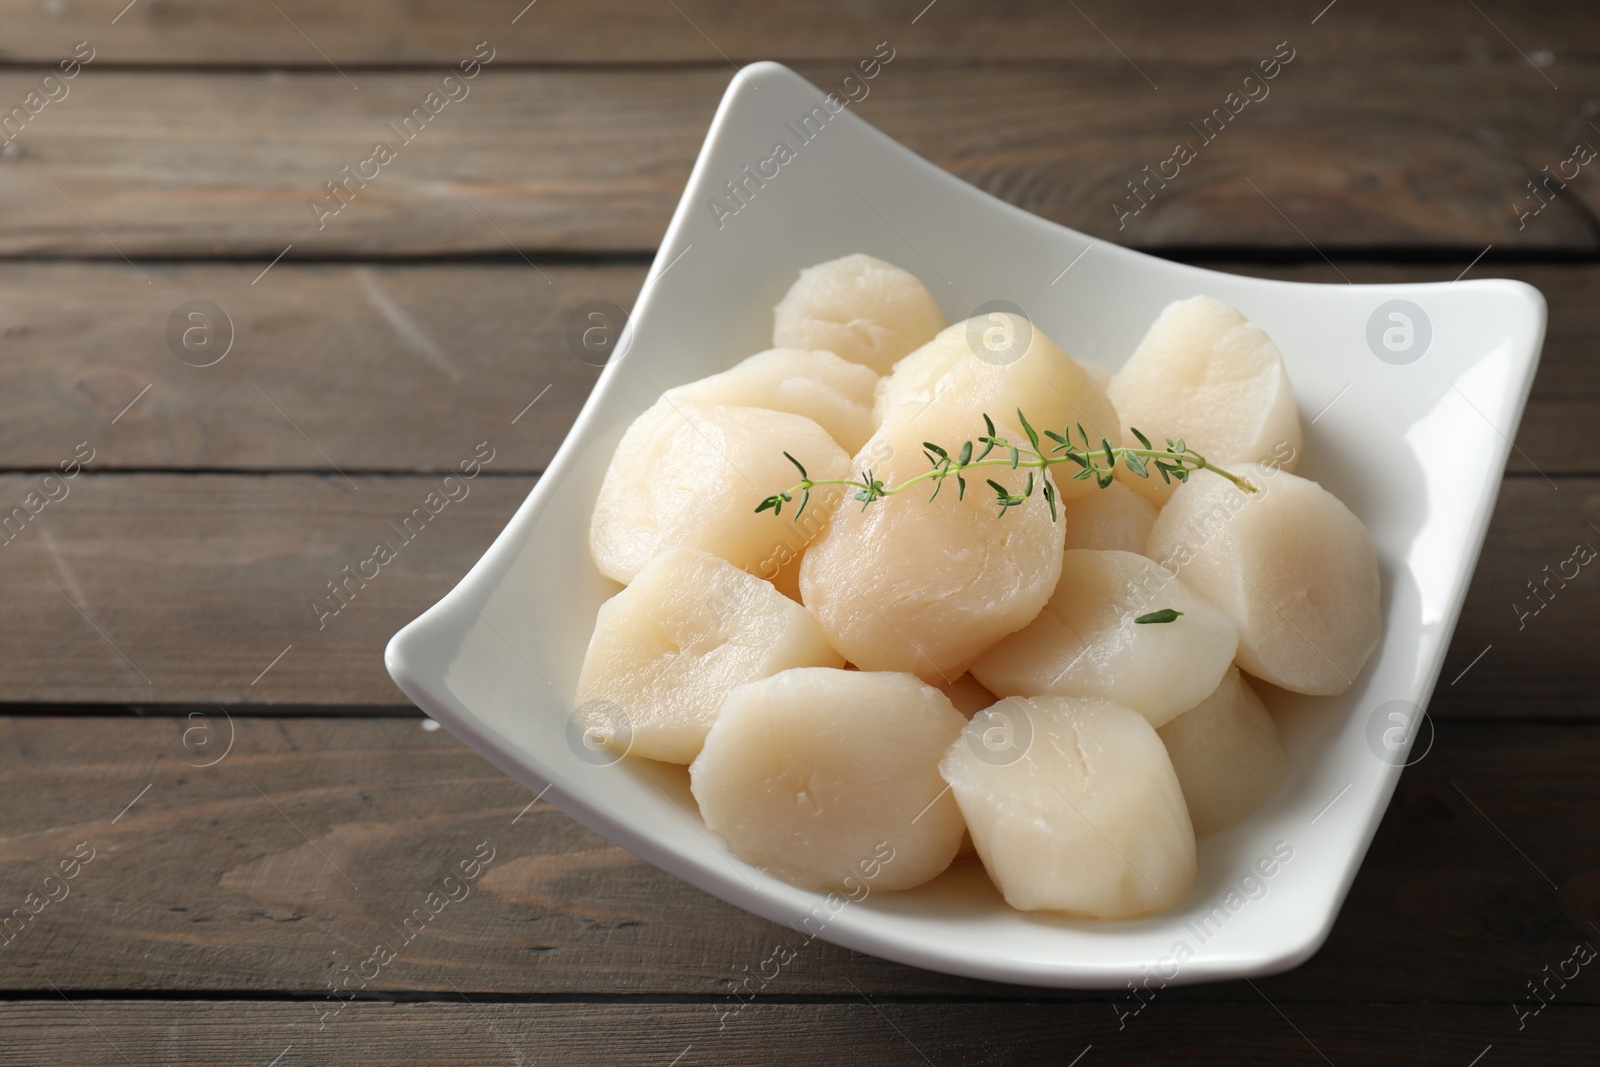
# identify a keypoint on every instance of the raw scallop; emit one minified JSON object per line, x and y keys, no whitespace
{"x":1113,"y":517}
{"x":910,"y":583}
{"x":859,"y":308}
{"x":1206,"y":375}
{"x":692,"y":475}
{"x":1291,"y":565}
{"x":836,"y":394}
{"x":1086,"y":642}
{"x":1227,"y":755}
{"x":958,"y":367}
{"x":821,"y":777}
{"x":1074,"y":807}
{"x":668,"y":649}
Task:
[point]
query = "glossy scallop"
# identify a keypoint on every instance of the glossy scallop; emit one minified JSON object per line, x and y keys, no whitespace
{"x":910,"y":583}
{"x":1227,"y":755}
{"x":1292,"y":566}
{"x":859,"y":308}
{"x":1000,"y":363}
{"x":1074,"y":807}
{"x":1208,"y":376}
{"x":1088,"y":642}
{"x":669,"y":648}
{"x":834,"y":393}
{"x":1115,"y":517}
{"x":827,"y":777}
{"x":692,"y":475}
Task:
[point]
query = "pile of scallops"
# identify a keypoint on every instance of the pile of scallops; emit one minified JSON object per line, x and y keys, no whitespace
{"x":920,"y":677}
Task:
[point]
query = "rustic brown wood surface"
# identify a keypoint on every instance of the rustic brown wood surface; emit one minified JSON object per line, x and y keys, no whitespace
{"x":305,"y":33}
{"x":848,"y":1029}
{"x":301,"y":845}
{"x":161,"y":613}
{"x":1404,"y":155}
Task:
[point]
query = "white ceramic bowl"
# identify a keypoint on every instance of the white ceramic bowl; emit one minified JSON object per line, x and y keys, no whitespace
{"x":1414,"y":443}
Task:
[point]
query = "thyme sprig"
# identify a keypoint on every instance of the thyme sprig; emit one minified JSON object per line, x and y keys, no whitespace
{"x":1176,"y":462}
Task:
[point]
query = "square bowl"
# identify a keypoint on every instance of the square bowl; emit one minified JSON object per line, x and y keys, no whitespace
{"x":1389,"y":378}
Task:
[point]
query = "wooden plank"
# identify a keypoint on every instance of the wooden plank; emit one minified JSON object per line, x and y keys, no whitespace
{"x":211,"y":32}
{"x":306,"y":843}
{"x":174,"y":589}
{"x":184,"y":589}
{"x":365,"y":368}
{"x":394,"y":367}
{"x":1402,"y":154}
{"x":114,"y":1033}
{"x":1537,"y":648}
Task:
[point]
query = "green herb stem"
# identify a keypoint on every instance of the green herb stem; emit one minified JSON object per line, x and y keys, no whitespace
{"x":1176,"y":461}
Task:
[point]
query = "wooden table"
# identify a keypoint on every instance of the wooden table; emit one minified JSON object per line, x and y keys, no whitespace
{"x":243,"y":802}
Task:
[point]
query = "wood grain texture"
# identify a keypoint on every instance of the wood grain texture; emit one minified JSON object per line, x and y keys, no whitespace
{"x":169,"y":588}
{"x":181,"y":589}
{"x":228,"y":1033}
{"x":394,"y":367}
{"x":1336,"y":157}
{"x":363,"y":368}
{"x":244,"y":860}
{"x":283,"y":865}
{"x":213,"y":32}
{"x":1537,"y":649}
